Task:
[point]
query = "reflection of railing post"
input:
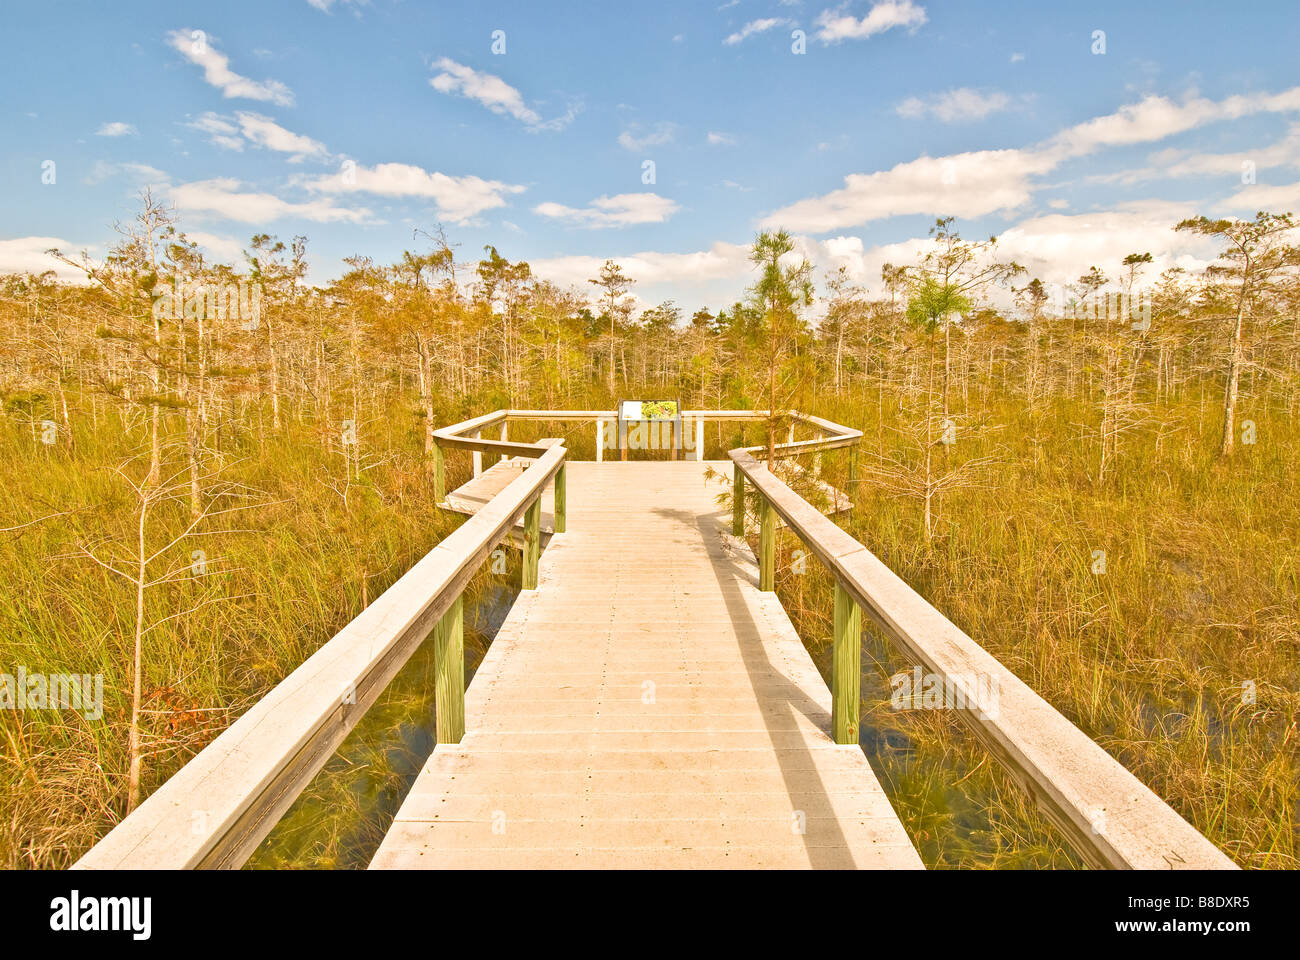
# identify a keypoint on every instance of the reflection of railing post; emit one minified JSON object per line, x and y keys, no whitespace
{"x":738,"y":502}
{"x":767,"y":547}
{"x":439,"y":474}
{"x":532,"y":543}
{"x":561,"y":498}
{"x":449,"y":674}
{"x":846,"y":667}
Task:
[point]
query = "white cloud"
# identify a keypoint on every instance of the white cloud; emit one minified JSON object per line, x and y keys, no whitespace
{"x":459,"y":199}
{"x":1057,"y":248}
{"x":1250,"y":199}
{"x":1000,"y":181}
{"x":1186,"y":163}
{"x":139,"y":172}
{"x":661,"y":134}
{"x":27,"y":255}
{"x":265,"y":132}
{"x":225,"y":249}
{"x":326,"y":5}
{"x":958,"y":104}
{"x":836,"y":25}
{"x":492,"y":92}
{"x":233,"y":133}
{"x":753,"y":27}
{"x":720,"y":139}
{"x":715,"y":275}
{"x":196,"y":47}
{"x":220,"y":130}
{"x":1155,"y":118}
{"x":115,"y":129}
{"x":1017,"y":57}
{"x":222,"y":197}
{"x":622,"y":210}
{"x":960,"y":185}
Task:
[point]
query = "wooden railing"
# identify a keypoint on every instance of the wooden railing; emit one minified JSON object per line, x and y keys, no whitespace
{"x":217,"y":808}
{"x":1110,"y":817}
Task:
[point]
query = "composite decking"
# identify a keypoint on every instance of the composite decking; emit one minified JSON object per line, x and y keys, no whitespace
{"x":647,"y":706}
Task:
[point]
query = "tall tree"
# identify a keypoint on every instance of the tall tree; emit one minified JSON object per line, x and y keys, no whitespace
{"x":1254,"y":252}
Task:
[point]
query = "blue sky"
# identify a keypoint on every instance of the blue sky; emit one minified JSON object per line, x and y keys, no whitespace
{"x":356,"y":123}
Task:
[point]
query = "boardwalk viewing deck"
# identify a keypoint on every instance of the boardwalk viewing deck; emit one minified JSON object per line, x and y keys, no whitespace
{"x":647,"y":701}
{"x":647,"y":706}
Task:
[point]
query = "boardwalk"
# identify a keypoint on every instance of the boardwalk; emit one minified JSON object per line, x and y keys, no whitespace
{"x":647,"y":706}
{"x":647,"y":702}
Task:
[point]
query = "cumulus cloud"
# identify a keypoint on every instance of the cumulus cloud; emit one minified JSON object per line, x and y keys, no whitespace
{"x":1284,"y":198}
{"x":225,"y":249}
{"x":223,"y":197}
{"x":720,"y":139}
{"x":962,"y":185}
{"x":28,"y":255}
{"x":115,"y":129}
{"x":625,"y":209}
{"x":197,"y":47}
{"x":837,"y":25}
{"x":459,"y":199}
{"x":956,"y":105}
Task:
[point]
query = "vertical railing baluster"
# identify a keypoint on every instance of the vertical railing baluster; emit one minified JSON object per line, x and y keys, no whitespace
{"x":439,"y":474}
{"x":767,"y":547}
{"x":532,"y":544}
{"x":738,"y":502}
{"x":846,"y":667}
{"x":561,"y":498}
{"x":449,"y":674}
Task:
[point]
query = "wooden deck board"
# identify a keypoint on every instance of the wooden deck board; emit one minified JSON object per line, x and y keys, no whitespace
{"x":647,"y":706}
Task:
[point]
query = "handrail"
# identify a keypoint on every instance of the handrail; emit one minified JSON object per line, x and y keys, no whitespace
{"x":217,"y":808}
{"x":1111,"y":818}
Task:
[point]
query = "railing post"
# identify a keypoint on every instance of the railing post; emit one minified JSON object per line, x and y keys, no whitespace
{"x":737,"y":502}
{"x":532,"y":543}
{"x":846,"y":667}
{"x":449,"y":674}
{"x":767,"y":547}
{"x":561,"y":500}
{"x":505,"y":424}
{"x":600,"y":439}
{"x":699,"y":439}
{"x":439,"y":474}
{"x":478,"y":455}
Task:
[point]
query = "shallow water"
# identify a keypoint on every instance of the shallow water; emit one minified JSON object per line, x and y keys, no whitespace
{"x":340,"y":819}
